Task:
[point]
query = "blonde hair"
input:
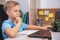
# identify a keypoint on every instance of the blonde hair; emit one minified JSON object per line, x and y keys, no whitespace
{"x":9,"y":4}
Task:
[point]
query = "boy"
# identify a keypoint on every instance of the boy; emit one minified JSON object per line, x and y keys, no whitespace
{"x":13,"y":24}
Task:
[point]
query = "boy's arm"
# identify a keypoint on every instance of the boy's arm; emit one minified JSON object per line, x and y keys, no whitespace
{"x":39,"y":27}
{"x":11,"y":32}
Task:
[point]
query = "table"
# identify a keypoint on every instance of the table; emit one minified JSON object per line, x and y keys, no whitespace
{"x":55,"y":35}
{"x":23,"y":36}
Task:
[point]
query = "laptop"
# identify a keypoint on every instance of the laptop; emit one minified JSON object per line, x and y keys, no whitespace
{"x":41,"y":34}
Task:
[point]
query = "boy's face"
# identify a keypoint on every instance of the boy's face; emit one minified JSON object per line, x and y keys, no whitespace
{"x":14,"y":12}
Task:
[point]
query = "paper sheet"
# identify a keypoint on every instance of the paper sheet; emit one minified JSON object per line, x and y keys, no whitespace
{"x":50,"y":15}
{"x":46,"y":12}
{"x":27,"y":32}
{"x":41,"y":12}
{"x":46,"y":18}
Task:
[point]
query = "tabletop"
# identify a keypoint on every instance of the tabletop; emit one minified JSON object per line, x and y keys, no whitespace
{"x":23,"y":36}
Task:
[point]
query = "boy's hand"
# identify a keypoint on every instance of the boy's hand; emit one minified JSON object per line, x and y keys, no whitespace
{"x":47,"y":27}
{"x":18,"y":19}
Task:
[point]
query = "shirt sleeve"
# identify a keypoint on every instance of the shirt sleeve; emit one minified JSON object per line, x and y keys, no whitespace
{"x":5,"y":26}
{"x":23,"y":27}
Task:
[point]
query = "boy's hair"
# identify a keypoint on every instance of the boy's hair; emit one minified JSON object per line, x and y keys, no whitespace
{"x":9,"y":4}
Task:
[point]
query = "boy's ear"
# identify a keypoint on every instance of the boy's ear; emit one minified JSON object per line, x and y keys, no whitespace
{"x":7,"y":12}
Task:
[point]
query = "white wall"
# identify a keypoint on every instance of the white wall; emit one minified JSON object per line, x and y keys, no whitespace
{"x":32,"y":16}
{"x":23,"y":5}
{"x":32,"y":4}
{"x":49,"y":3}
{"x":37,"y":4}
{"x":2,"y":1}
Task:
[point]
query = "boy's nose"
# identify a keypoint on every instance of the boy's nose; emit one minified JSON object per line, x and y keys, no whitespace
{"x":18,"y":14}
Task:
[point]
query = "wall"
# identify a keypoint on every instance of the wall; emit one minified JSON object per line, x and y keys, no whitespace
{"x":2,"y":1}
{"x":37,"y":4}
{"x":32,"y":4}
{"x":49,"y":3}
{"x":32,"y":11}
{"x":23,"y":5}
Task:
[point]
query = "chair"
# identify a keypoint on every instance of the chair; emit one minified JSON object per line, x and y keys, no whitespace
{"x":1,"y":20}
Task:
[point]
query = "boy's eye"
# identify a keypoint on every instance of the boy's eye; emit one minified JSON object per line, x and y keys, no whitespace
{"x":16,"y":11}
